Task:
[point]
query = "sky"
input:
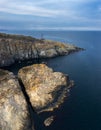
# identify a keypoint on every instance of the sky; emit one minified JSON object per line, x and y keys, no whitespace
{"x":50,"y":14}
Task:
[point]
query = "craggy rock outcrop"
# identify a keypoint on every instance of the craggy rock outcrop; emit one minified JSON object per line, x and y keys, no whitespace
{"x":46,"y":89}
{"x":14,"y":112}
{"x":18,"y":47}
{"x":49,"y":121}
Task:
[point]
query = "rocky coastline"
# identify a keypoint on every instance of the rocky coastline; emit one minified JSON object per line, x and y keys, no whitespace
{"x":43,"y":89}
{"x":14,"y":110}
{"x":18,"y":47}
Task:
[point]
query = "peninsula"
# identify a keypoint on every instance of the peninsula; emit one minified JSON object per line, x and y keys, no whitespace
{"x":18,"y":47}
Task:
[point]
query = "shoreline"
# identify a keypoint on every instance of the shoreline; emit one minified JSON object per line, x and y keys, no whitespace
{"x":19,"y":48}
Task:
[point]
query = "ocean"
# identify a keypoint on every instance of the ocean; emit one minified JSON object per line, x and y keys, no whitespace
{"x":82,"y":108}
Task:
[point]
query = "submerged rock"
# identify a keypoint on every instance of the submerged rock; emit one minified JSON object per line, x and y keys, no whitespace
{"x":46,"y":89}
{"x":14,"y":112}
{"x":18,"y":47}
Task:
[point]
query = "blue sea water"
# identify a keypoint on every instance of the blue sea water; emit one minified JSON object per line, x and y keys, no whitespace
{"x":82,"y":108}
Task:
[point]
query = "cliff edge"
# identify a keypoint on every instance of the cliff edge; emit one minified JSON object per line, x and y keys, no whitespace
{"x":18,"y":47}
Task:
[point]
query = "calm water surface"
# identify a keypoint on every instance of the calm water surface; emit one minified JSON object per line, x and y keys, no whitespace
{"x":82,"y":109}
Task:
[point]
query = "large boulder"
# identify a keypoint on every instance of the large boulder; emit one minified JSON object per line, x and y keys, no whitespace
{"x":14,"y":111}
{"x":46,"y":89}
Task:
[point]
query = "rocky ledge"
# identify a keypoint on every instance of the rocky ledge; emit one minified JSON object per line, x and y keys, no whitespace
{"x":18,"y":47}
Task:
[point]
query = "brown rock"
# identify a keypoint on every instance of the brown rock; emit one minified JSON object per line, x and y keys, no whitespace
{"x":45,"y":88}
{"x":49,"y":121}
{"x":14,"y":112}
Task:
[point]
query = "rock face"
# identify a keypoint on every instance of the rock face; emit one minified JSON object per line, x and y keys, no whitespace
{"x":14,"y":112}
{"x":46,"y":89}
{"x":17,"y":47}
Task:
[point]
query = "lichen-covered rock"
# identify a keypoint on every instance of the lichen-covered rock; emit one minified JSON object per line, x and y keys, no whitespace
{"x":14,"y":112}
{"x":17,"y":47}
{"x":46,"y":89}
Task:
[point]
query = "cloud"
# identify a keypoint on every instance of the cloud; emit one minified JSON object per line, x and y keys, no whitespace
{"x":27,"y":8}
{"x":66,"y":14}
{"x":46,"y":8}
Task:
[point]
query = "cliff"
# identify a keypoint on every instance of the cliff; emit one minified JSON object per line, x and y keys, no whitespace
{"x":18,"y":47}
